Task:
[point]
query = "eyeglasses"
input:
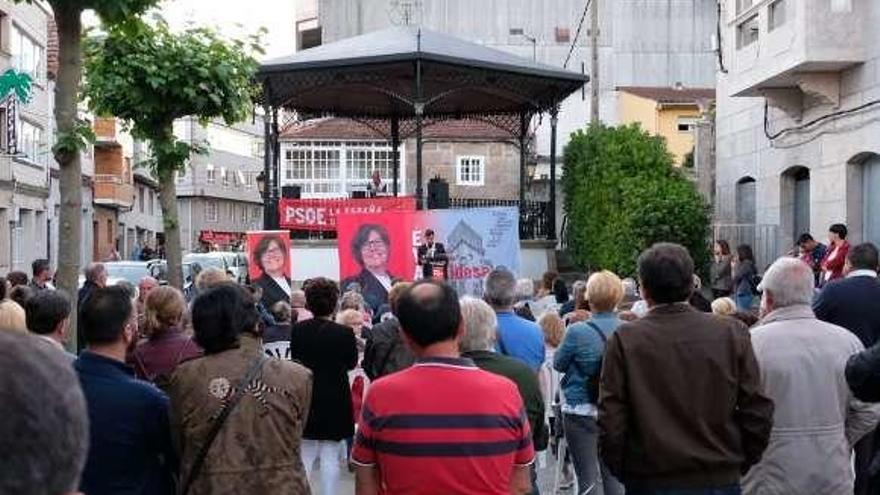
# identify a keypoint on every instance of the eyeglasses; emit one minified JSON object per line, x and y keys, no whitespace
{"x":374,"y":244}
{"x":274,"y":251}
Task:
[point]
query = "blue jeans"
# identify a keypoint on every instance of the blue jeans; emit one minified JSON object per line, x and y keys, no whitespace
{"x":722,"y":490}
{"x":744,"y":301}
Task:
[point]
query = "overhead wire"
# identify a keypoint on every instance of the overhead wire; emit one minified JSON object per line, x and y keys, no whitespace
{"x":577,"y":34}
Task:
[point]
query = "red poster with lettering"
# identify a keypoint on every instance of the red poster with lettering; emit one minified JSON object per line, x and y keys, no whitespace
{"x":322,"y":214}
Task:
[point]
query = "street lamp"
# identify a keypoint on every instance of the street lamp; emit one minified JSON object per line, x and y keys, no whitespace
{"x":261,"y":185}
{"x":532,"y":39}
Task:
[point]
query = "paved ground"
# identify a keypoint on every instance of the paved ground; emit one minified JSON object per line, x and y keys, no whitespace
{"x":346,"y":484}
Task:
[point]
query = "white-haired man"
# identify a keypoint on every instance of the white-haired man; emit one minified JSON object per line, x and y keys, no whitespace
{"x":817,"y":420}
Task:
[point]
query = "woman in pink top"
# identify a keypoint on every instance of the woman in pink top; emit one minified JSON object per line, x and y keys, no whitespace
{"x":832,"y":264}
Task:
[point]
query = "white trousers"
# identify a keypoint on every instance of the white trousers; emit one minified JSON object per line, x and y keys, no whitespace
{"x":328,"y":451}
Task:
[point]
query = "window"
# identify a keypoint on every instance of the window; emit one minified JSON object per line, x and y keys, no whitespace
{"x":211,"y":174}
{"x":224,"y":176}
{"x":231,"y":209}
{"x":563,"y":34}
{"x":776,"y":15}
{"x":336,"y":168}
{"x":211,"y":212}
{"x":743,"y":5}
{"x":248,"y":179}
{"x":109,"y":231}
{"x":687,"y":124}
{"x":152,"y":203}
{"x":257,"y":148}
{"x":141,"y":199}
{"x":747,"y":32}
{"x":30,"y":142}
{"x":469,"y":171}
{"x":181,"y":175}
{"x":27,"y":55}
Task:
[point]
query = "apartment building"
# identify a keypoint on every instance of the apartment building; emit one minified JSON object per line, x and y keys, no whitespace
{"x":798,"y":120}
{"x":217,"y":195}
{"x":24,"y":138}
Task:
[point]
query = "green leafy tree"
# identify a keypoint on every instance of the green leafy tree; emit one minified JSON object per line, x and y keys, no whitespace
{"x":622,"y":194}
{"x":73,"y":134}
{"x":148,"y":76}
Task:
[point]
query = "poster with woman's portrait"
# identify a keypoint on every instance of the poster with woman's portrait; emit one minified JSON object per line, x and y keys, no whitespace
{"x":269,"y":264}
{"x":375,"y":251}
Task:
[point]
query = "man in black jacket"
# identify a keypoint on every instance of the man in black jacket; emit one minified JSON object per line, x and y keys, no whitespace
{"x":851,"y":303}
{"x":431,"y":252}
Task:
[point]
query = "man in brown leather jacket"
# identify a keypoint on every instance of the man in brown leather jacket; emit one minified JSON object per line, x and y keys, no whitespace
{"x":680,"y":405}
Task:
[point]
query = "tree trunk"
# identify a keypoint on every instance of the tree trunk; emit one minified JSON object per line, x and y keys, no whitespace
{"x":70,"y":185}
{"x":168,"y":200}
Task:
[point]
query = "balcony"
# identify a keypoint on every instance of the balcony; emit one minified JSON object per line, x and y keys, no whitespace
{"x":112,"y":191}
{"x":792,"y":51}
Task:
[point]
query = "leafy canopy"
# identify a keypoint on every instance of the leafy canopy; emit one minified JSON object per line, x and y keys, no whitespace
{"x":623,"y":194}
{"x":149,"y":76}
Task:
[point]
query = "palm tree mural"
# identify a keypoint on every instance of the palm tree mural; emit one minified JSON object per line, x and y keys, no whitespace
{"x":17,"y":84}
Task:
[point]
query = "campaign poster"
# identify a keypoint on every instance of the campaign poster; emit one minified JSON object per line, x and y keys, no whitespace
{"x":375,"y":250}
{"x":475,"y":240}
{"x":268,"y":254}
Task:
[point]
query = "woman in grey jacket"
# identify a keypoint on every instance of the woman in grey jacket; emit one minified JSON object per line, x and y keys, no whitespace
{"x":722,"y":281}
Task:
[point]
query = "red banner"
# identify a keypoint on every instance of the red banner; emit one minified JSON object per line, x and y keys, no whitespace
{"x":321,"y":214}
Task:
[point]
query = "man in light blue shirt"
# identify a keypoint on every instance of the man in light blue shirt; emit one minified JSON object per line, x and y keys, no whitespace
{"x":516,"y":337}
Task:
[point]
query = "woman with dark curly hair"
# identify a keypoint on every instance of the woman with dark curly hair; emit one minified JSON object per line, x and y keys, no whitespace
{"x":371,"y":248}
{"x":270,"y":257}
{"x":257,"y":447}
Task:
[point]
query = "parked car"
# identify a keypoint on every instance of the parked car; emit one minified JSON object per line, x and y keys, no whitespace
{"x":233,"y":263}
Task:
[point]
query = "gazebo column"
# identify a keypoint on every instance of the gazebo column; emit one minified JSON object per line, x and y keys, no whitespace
{"x":395,"y":151}
{"x":523,"y":129}
{"x":276,"y":170}
{"x":267,"y":165}
{"x":554,"y":120}
{"x":419,"y":108}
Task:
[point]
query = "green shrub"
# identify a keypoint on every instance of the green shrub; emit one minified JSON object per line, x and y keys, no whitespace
{"x":622,"y":194}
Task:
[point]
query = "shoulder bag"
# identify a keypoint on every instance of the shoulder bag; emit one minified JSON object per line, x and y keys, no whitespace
{"x":199,"y":461}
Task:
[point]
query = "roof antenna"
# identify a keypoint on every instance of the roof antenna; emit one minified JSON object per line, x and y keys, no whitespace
{"x":406,"y":12}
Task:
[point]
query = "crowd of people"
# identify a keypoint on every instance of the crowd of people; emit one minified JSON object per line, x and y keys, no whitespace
{"x":636,"y":386}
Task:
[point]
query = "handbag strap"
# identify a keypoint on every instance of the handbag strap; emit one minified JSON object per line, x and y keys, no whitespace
{"x":199,"y":461}
{"x":604,"y":343}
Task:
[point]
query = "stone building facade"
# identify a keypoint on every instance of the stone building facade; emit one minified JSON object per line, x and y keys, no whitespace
{"x":798,"y":121}
{"x":335,"y":157}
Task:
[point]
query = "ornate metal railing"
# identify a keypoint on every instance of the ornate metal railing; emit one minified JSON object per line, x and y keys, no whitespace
{"x":534,"y":216}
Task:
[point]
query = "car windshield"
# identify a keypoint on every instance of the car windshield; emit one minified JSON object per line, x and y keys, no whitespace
{"x":131,"y":273}
{"x":205,"y":260}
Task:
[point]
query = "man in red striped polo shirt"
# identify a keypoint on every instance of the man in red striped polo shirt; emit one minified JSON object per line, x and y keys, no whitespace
{"x":443,"y":425}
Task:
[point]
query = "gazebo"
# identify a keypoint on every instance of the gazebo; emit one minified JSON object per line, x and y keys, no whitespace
{"x":399,"y":80}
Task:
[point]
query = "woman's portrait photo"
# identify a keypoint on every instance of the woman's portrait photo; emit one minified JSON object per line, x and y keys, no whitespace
{"x":269,"y":260}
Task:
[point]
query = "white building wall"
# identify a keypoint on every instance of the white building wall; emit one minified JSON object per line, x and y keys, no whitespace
{"x":831,"y":150}
{"x":642,"y":42}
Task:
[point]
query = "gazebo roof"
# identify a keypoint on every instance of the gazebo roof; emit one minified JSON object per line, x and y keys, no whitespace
{"x":374,"y":75}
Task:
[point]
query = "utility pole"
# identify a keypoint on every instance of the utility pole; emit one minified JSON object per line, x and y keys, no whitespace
{"x":594,"y":58}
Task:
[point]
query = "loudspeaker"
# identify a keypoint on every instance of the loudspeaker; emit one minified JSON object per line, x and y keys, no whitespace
{"x":291,"y":192}
{"x":438,"y":194}
{"x":358,"y":194}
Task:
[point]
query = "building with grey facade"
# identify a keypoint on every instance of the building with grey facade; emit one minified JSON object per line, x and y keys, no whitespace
{"x":217,"y":195}
{"x":641,"y":42}
{"x":798,"y":121}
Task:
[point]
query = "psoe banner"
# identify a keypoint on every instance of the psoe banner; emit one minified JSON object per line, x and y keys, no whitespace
{"x":322,"y":214}
{"x":476,"y":240}
{"x":379,"y":249}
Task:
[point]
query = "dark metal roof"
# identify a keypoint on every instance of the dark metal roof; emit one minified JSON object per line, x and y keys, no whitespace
{"x":373,"y":75}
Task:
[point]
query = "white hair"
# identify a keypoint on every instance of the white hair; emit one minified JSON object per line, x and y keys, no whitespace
{"x":789,"y":281}
{"x":479,"y":324}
